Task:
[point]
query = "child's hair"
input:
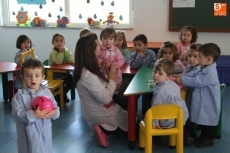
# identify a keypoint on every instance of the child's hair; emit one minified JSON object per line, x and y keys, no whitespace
{"x":32,"y":64}
{"x":85,"y":57}
{"x":84,"y":31}
{"x":56,"y":35}
{"x":122,"y":34}
{"x":21,"y":39}
{"x":142,"y":38}
{"x":195,"y":46}
{"x":165,"y":64}
{"x":108,"y":32}
{"x":172,"y":46}
{"x":192,"y":30}
{"x":210,"y":49}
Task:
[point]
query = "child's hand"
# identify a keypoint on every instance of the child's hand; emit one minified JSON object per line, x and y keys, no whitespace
{"x":112,"y":72}
{"x":61,"y":49}
{"x":103,"y":63}
{"x":178,"y":80}
{"x":41,"y":114}
{"x":142,"y":54}
{"x":107,"y":65}
{"x":157,"y":126}
{"x":52,"y":113}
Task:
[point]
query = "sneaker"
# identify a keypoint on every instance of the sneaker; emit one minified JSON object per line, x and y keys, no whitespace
{"x":101,"y":137}
{"x":205,"y":143}
{"x":188,"y":140}
{"x":197,"y":140}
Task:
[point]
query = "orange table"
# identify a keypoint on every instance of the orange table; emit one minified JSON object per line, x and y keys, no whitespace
{"x":152,"y":45}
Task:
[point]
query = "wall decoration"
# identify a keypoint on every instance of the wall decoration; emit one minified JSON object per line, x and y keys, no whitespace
{"x":36,"y":2}
{"x":110,"y":20}
{"x":63,"y":22}
{"x":37,"y":21}
{"x":22,"y":17}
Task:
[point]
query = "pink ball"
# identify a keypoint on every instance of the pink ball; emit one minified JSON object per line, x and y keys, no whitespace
{"x":43,"y":102}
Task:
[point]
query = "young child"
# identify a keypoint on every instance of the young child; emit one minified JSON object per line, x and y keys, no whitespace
{"x":24,"y":44}
{"x":205,"y":101}
{"x":169,"y":51}
{"x":121,"y":43}
{"x":141,"y":56}
{"x":188,"y":35}
{"x":61,"y":55}
{"x":85,"y":31}
{"x":192,"y":54}
{"x":110,"y":54}
{"x":34,"y":133}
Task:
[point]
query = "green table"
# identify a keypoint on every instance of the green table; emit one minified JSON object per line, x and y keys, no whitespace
{"x":137,"y":86}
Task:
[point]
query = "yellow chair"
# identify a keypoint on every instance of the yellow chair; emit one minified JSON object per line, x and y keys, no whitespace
{"x":55,"y":86}
{"x":162,"y":112}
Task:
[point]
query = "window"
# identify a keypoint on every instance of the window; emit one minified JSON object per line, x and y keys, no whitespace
{"x":78,"y":12}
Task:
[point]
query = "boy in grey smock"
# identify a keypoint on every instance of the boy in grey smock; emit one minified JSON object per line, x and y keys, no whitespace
{"x":34,"y":133}
{"x":205,"y":101}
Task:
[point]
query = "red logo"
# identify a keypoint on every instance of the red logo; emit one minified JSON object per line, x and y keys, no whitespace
{"x":220,"y":9}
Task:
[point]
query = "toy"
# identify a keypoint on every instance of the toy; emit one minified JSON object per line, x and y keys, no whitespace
{"x":93,"y":23}
{"x":110,"y":22}
{"x":63,"y":22}
{"x":37,"y":21}
{"x":43,"y":102}
{"x":22,"y":18}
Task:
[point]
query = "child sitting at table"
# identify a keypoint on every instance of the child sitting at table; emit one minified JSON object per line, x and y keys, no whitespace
{"x":205,"y":101}
{"x":142,"y":56}
{"x":166,"y":92}
{"x":85,"y":31}
{"x":24,"y":44}
{"x":61,"y":55}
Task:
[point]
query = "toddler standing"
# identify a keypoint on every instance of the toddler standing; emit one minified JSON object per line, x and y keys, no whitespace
{"x":188,"y":35}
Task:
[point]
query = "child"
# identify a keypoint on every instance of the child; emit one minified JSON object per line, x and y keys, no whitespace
{"x":121,"y":43}
{"x":169,"y":51}
{"x":61,"y":55}
{"x":205,"y":101}
{"x":33,"y":126}
{"x":84,"y":32}
{"x":188,"y":35}
{"x":110,"y":54}
{"x":141,"y":56}
{"x":24,"y":44}
{"x":193,"y":63}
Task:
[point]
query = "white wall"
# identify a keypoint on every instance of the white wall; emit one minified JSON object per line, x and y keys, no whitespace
{"x":150,"y":18}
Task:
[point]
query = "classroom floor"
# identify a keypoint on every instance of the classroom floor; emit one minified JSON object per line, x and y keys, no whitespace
{"x":71,"y":134}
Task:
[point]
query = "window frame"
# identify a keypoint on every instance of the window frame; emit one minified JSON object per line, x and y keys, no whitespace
{"x":5,"y":17}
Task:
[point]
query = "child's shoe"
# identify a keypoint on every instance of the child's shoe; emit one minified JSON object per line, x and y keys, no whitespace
{"x":197,"y":140}
{"x":205,"y":143}
{"x":101,"y":137}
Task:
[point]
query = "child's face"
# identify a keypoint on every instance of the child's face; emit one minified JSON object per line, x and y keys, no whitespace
{"x":168,"y":53}
{"x":193,"y":57}
{"x":59,"y":42}
{"x":107,"y":42}
{"x":33,"y":78}
{"x":203,"y":61}
{"x":139,"y":46}
{"x":187,"y":37}
{"x":160,"y":76}
{"x":25,"y":45}
{"x":98,"y":49}
{"x":119,"y":41}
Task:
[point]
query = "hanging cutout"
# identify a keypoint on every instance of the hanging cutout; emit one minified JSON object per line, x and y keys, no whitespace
{"x":13,"y":13}
{"x":36,"y":2}
{"x":120,"y":17}
{"x":95,"y":16}
{"x":61,"y":9}
{"x":102,"y":3}
{"x":53,"y":1}
{"x":36,"y":13}
{"x":88,"y":1}
{"x":40,"y":6}
{"x":22,"y":8}
{"x":80,"y":16}
{"x":112,"y":4}
{"x":49,"y":15}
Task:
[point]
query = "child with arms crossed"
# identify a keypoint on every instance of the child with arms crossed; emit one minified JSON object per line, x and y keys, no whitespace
{"x":61,"y":55}
{"x":33,"y":126}
{"x":121,"y":43}
{"x":141,"y":56}
{"x":110,"y":54}
{"x":188,"y":35}
{"x":205,"y":101}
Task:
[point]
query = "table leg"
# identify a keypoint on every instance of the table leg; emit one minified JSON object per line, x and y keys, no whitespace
{"x":132,"y":122}
{"x":72,"y":90}
{"x":5,"y":86}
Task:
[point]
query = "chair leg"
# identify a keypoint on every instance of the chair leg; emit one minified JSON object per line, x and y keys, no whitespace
{"x":172,"y":141}
{"x":148,"y":143}
{"x":141,"y":139}
{"x":72,"y":90}
{"x":61,"y":97}
{"x":11,"y":89}
{"x":180,"y":143}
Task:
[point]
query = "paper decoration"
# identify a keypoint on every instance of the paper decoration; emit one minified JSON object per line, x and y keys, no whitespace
{"x":36,"y":2}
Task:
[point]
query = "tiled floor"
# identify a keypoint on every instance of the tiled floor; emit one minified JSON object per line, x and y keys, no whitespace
{"x":71,"y":134}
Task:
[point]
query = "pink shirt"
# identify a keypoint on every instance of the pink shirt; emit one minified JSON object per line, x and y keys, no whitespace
{"x":182,"y":50}
{"x":114,"y":56}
